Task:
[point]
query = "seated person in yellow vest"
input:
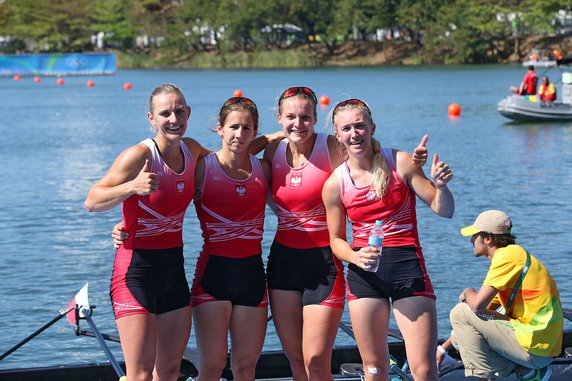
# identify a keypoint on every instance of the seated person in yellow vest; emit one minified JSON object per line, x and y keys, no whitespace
{"x":529,"y":334}
{"x":547,"y":91}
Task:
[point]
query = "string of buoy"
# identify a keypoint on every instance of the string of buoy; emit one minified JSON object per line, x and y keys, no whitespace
{"x":454,"y":110}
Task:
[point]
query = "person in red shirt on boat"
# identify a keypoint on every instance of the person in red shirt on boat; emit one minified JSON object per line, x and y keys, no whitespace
{"x":529,"y":83}
{"x":547,"y":91}
{"x":373,"y":184}
{"x":154,"y":183}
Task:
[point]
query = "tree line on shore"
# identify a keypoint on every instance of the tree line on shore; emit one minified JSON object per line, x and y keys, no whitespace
{"x":468,"y":31}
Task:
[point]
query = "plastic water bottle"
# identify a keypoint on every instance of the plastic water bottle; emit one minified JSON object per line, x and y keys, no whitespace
{"x":376,"y":240}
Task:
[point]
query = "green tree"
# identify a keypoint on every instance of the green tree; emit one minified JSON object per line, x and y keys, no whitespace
{"x":113,"y":17}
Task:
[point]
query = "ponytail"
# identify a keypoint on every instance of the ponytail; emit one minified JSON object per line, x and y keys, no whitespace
{"x":380,"y":170}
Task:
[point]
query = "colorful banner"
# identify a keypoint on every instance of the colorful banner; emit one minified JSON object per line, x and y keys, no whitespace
{"x":57,"y":64}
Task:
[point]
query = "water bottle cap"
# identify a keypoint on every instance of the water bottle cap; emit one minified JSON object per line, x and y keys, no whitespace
{"x":379,"y":222}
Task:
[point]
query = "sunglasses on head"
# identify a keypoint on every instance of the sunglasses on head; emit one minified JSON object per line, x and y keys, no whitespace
{"x":243,"y":100}
{"x":353,"y":102}
{"x":292,"y":91}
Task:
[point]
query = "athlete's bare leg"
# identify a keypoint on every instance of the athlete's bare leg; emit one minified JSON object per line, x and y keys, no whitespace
{"x":286,"y":307}
{"x":416,"y":317}
{"x":370,"y":322}
{"x":247,"y":332}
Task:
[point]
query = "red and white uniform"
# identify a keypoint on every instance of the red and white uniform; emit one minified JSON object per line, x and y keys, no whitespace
{"x":231,"y":214}
{"x":396,"y":208}
{"x":297,"y":197}
{"x":155,"y":221}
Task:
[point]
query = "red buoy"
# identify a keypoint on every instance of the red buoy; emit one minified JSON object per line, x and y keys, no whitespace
{"x":60,"y":81}
{"x":17,"y":77}
{"x":90,"y":83}
{"x":37,"y":79}
{"x":237,"y":93}
{"x":454,"y":109}
{"x":324,"y":100}
{"x":127,"y":86}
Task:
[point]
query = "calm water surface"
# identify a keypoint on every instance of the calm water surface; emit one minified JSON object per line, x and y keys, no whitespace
{"x":59,"y":139}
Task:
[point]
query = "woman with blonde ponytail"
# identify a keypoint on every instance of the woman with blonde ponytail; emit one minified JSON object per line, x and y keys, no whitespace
{"x":373,"y":184}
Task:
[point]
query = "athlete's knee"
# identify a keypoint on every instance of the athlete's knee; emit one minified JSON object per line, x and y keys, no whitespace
{"x":140,"y":375}
{"x":424,"y":371}
{"x":243,"y":370}
{"x":211,"y":369}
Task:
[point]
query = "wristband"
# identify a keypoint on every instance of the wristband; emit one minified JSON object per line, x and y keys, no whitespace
{"x":442,"y":350}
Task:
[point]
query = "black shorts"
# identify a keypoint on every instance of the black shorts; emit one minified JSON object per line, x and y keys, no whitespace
{"x":238,"y":280}
{"x":401,"y":274}
{"x":149,"y":281}
{"x":315,"y":272}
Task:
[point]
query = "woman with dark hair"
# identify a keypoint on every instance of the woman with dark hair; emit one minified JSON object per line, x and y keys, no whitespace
{"x":229,"y":289}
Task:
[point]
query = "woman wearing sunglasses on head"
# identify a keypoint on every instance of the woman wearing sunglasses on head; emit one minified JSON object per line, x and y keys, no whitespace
{"x":229,"y":289}
{"x":305,"y":281}
{"x":377,"y":183}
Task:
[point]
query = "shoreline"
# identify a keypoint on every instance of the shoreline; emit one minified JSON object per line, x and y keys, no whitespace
{"x":353,"y":53}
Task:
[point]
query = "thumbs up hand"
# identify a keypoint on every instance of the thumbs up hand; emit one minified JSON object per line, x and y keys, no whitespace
{"x":440,"y":172}
{"x":146,"y":181}
{"x":420,"y":153}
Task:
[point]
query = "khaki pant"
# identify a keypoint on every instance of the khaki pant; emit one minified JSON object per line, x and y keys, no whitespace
{"x":488,"y":345}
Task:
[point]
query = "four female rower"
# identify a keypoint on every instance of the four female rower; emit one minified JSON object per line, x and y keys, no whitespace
{"x":154,"y":182}
{"x":376,"y":183}
{"x":305,"y":279}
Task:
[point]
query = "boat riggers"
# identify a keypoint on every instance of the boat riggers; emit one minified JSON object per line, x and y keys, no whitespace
{"x":61,"y":314}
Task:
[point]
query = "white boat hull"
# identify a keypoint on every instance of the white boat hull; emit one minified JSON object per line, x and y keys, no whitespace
{"x":529,"y":108}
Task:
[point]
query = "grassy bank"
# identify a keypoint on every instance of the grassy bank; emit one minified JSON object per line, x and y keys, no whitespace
{"x":356,"y":53}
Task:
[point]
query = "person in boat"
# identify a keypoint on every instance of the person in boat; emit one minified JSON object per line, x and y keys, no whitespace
{"x":529,"y":83}
{"x":229,"y":289}
{"x":376,"y":183}
{"x":305,"y":281}
{"x":547,"y":91}
{"x":154,"y":182}
{"x":528,"y":335}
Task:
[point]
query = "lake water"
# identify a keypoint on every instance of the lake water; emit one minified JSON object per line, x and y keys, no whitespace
{"x":57,"y":140}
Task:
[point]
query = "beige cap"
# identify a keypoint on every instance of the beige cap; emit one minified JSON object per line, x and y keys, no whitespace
{"x":490,"y":221}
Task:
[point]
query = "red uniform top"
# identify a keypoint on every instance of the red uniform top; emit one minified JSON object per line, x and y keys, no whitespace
{"x":155,"y":221}
{"x":231,"y":212}
{"x":396,"y":208}
{"x":297,"y":197}
{"x":528,"y":85}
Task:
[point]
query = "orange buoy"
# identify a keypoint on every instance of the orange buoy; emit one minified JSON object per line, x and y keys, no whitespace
{"x":60,"y":81}
{"x":324,"y":100}
{"x":17,"y":77}
{"x":90,"y":83}
{"x":37,"y":79}
{"x":127,"y":86}
{"x":237,"y":93}
{"x":454,"y":109}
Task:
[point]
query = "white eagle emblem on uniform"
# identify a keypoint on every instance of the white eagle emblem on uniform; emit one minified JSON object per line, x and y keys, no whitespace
{"x":371,"y":195}
{"x":240,"y":190}
{"x":296,"y":181}
{"x":180,"y":185}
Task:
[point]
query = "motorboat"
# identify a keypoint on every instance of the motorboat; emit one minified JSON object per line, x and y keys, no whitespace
{"x":531,"y":107}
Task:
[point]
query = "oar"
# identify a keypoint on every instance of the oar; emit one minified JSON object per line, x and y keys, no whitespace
{"x":61,"y":314}
{"x":84,"y":311}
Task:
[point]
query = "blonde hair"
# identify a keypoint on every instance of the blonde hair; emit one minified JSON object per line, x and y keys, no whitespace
{"x":380,"y":170}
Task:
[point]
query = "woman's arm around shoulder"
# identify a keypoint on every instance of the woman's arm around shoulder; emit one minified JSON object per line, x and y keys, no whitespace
{"x":433,"y":193}
{"x":197,"y":150}
{"x":129,"y":174}
{"x":336,"y":150}
{"x":261,"y":142}
{"x":199,"y":178}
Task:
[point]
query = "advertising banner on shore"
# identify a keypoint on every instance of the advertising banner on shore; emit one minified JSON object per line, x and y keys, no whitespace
{"x":57,"y":64}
